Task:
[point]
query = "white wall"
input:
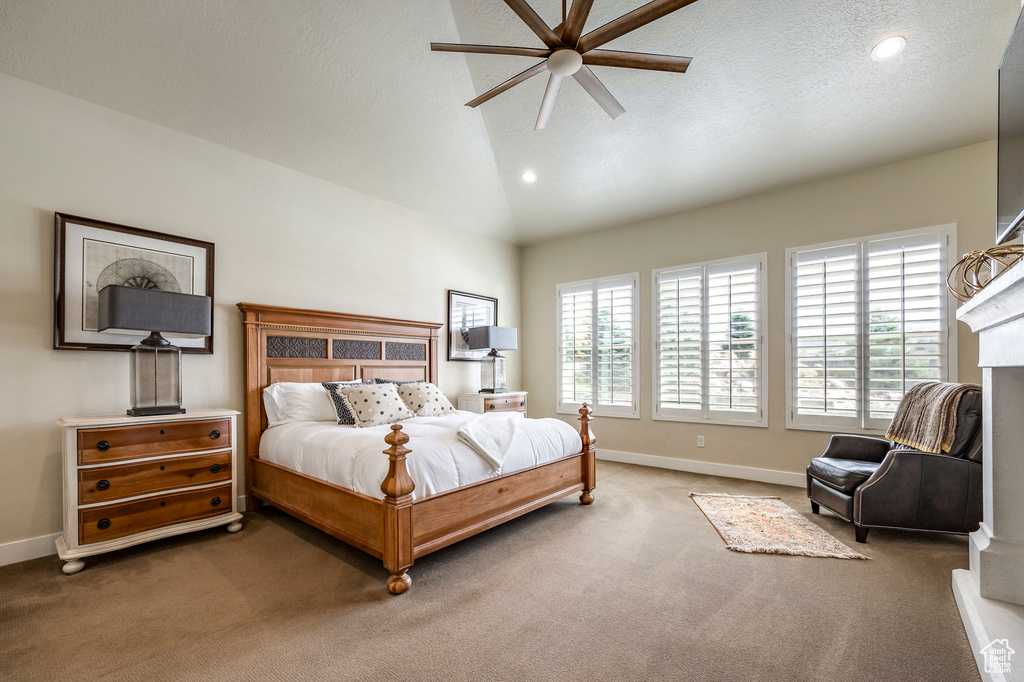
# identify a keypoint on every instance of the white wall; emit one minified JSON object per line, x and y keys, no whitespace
{"x":956,"y":186}
{"x":281,"y":238}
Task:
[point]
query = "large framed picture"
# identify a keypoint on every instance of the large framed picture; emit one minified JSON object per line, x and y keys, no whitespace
{"x":91,"y":254}
{"x":466,"y":311}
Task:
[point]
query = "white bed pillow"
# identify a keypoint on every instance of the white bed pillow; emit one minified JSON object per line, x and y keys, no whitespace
{"x":374,"y":405}
{"x":290,"y":401}
{"x":425,"y":400}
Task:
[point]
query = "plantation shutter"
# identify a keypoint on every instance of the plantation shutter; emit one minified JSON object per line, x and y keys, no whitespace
{"x":906,"y":321}
{"x":869,"y":322}
{"x":732,"y":338}
{"x":825,"y":335}
{"x":708,"y":341}
{"x":597,"y":353}
{"x":680,"y":339}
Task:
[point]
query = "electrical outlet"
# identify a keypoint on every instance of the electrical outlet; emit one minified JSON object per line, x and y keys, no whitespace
{"x":700,"y":441}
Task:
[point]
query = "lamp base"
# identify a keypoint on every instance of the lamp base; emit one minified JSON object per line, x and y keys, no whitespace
{"x":153,"y":411}
{"x":493,"y":390}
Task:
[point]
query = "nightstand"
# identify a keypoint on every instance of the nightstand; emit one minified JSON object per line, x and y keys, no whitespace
{"x":129,"y":480}
{"x":513,"y":401}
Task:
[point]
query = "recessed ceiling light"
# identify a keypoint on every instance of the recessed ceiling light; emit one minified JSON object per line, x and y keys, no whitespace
{"x":529,"y":177}
{"x":888,"y":48}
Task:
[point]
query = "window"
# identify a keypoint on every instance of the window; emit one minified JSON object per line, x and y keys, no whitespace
{"x":867,"y":320}
{"x":708,"y":335}
{"x":597,"y":358}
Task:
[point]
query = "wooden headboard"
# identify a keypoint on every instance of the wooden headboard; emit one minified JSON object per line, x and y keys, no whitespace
{"x":292,"y":344}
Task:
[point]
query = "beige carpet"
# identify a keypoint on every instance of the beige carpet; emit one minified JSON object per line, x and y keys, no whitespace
{"x":638,"y":586}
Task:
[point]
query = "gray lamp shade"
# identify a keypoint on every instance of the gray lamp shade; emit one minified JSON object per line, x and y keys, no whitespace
{"x":498,"y":338}
{"x":130,"y":310}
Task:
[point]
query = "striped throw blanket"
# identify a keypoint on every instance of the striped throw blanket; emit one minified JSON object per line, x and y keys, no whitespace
{"x":926,"y":419}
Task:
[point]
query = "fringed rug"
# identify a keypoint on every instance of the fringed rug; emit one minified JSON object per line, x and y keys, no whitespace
{"x":768,"y":525}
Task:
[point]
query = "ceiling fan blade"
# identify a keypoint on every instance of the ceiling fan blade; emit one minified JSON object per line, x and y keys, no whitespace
{"x":547,"y":105}
{"x":513,"y":81}
{"x":573,"y":26}
{"x":637,"y":60}
{"x":592,"y":85}
{"x":490,"y":49}
{"x":536,"y":24}
{"x":641,"y":16}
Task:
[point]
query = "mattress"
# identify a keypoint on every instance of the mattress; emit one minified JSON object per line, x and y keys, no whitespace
{"x":353,"y":457}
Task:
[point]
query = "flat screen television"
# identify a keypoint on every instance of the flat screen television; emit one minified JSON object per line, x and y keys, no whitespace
{"x":1010,"y":192}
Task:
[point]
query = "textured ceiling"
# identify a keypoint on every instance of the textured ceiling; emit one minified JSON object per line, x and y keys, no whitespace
{"x":780,"y":91}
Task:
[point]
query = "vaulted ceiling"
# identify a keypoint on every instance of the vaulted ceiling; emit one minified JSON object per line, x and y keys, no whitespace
{"x":779,"y":91}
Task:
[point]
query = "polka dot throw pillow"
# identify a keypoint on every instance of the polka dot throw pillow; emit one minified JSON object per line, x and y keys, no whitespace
{"x":374,"y":405}
{"x":425,"y":400}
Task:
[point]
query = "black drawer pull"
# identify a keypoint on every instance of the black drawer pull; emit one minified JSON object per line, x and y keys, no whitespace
{"x":103,"y":485}
{"x":215,"y":468}
{"x":522,"y":403}
{"x":492,"y":407}
{"x":215,"y":502}
{"x":103,"y":445}
{"x":103,"y":524}
{"x":215,"y":434}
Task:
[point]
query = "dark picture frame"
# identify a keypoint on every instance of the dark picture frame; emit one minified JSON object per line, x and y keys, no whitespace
{"x":82,"y":245}
{"x":467,"y":310}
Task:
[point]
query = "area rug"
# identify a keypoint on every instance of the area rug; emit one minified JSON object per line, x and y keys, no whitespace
{"x":768,"y":525}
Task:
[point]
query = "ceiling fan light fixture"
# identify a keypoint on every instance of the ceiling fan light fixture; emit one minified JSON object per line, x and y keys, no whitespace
{"x":529,"y":177}
{"x":565,"y":62}
{"x":888,"y":48}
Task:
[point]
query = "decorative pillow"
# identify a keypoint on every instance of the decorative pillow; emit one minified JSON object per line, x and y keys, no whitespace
{"x":292,"y":401}
{"x":341,"y":411}
{"x":398,"y":383}
{"x":374,"y":404}
{"x":425,"y":400}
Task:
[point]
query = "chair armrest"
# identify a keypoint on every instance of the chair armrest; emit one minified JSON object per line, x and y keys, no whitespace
{"x":863,"y":448}
{"x":921,"y":490}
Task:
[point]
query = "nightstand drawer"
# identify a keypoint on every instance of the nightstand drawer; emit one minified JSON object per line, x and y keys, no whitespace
{"x":505,"y":404}
{"x":127,"y":518}
{"x":104,"y":484}
{"x":119,"y":443}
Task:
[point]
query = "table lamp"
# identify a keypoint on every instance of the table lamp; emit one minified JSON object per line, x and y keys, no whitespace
{"x":155,"y":363}
{"x":492,"y":366}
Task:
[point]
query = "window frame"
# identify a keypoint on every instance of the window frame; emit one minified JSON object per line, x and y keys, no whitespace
{"x":862,"y":423}
{"x":705,"y":415}
{"x":568,"y":407}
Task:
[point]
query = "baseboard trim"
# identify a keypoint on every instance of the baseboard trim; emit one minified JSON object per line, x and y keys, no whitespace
{"x":45,"y":545}
{"x":708,"y":468}
{"x":30,"y":548}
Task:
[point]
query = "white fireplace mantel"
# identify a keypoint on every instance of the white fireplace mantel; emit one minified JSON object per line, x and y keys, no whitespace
{"x":990,"y":595}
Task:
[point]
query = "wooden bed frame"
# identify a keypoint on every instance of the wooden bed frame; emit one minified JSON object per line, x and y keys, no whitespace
{"x":290,"y":344}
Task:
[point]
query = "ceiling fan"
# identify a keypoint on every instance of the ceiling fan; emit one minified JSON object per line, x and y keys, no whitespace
{"x":568,"y":52}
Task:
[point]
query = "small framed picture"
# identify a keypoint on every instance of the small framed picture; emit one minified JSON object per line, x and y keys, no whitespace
{"x":466,"y":311}
{"x":91,"y":254}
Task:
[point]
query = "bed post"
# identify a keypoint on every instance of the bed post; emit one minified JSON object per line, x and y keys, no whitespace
{"x":397,"y":488}
{"x":589,"y":456}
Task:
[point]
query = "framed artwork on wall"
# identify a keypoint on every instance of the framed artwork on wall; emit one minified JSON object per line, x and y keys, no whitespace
{"x":466,"y":311}
{"x":91,"y":254}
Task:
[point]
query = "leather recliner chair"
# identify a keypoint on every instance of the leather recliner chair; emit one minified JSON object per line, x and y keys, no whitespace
{"x":876,"y":483}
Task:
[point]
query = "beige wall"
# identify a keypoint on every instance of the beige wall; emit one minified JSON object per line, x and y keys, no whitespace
{"x":957,"y":186}
{"x":282,"y":238}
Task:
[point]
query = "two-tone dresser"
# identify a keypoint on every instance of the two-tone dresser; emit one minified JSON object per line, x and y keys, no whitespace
{"x":511,"y":401}
{"x":129,"y":480}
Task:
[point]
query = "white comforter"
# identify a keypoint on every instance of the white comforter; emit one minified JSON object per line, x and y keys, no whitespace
{"x":353,"y":458}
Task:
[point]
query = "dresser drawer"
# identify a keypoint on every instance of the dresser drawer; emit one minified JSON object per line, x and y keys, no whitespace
{"x":119,"y":443}
{"x":127,"y":518}
{"x":506,"y":404}
{"x":103,"y":484}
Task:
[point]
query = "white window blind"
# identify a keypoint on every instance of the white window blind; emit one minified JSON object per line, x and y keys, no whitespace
{"x":707,"y":341}
{"x":597,"y":345}
{"x":869,"y":319}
